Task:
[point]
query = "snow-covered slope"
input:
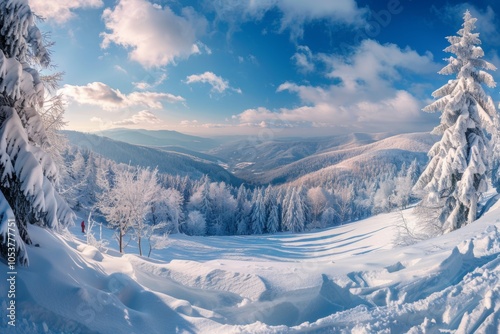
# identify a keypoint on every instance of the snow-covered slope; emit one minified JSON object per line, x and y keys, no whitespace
{"x":349,"y":279}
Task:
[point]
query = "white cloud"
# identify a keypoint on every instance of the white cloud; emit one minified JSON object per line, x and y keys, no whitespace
{"x":303,"y":59}
{"x":144,"y":116}
{"x":364,"y":97}
{"x":374,"y":66}
{"x":188,"y":123}
{"x":143,"y":85}
{"x":294,"y":13}
{"x":101,"y":95}
{"x":198,"y":125}
{"x":155,"y":36}
{"x":61,"y":11}
{"x":120,"y":69}
{"x":218,"y":84}
{"x":250,"y":58}
{"x":362,"y":115}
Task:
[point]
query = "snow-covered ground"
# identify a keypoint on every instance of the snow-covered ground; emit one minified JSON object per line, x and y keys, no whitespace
{"x":349,"y":279}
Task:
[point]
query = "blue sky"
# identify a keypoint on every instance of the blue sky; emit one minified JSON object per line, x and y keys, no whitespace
{"x":259,"y":67}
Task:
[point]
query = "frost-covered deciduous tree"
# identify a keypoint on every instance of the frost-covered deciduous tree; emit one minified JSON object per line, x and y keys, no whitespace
{"x":200,"y":200}
{"x":328,"y":217}
{"x":456,"y":176}
{"x":156,"y":240}
{"x":343,"y":203}
{"x":28,"y":174}
{"x":403,"y":185}
{"x":100,"y":244}
{"x":223,"y":209}
{"x":167,"y":210}
{"x":383,"y":199}
{"x":317,"y":201}
{"x":196,"y":223}
{"x":127,"y":203}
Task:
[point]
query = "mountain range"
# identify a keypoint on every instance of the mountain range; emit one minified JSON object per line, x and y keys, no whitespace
{"x":309,"y":161}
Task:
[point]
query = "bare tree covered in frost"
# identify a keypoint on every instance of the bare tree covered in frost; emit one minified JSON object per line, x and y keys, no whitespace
{"x":455,"y":177}
{"x":28,"y":174}
{"x":126,"y":204}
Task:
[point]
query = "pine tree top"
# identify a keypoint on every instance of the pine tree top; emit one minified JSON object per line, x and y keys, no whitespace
{"x":468,"y":62}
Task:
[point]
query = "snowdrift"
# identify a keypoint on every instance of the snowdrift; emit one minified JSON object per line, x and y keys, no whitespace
{"x":349,"y":279}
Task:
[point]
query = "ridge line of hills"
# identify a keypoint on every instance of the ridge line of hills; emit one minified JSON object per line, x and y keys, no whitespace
{"x":311,"y":161}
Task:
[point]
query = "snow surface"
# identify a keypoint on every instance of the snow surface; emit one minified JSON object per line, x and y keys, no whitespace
{"x":349,"y":279}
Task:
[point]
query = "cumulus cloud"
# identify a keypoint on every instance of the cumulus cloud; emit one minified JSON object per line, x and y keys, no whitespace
{"x":144,"y":116}
{"x":154,"y":35}
{"x":363,"y":97}
{"x":218,"y":84}
{"x":101,"y":95}
{"x":61,"y":11}
{"x":362,"y":115}
{"x":303,"y":59}
{"x":375,"y":66}
{"x":293,"y":13}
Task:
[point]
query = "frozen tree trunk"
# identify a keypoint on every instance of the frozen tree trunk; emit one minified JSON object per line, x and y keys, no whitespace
{"x":140,"y":247}
{"x":121,"y":240}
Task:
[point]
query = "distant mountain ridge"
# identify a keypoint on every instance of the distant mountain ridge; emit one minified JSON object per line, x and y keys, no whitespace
{"x":308,"y":161}
{"x":281,"y":161}
{"x":158,"y":138}
{"x":168,"y":162}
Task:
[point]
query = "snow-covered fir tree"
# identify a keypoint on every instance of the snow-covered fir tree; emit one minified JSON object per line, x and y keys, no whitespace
{"x":272,"y":210}
{"x":456,"y":176}
{"x":273,"y":220}
{"x":28,"y":174}
{"x":294,"y":219}
{"x":495,"y":168}
{"x":242,"y":211}
{"x":258,"y":215}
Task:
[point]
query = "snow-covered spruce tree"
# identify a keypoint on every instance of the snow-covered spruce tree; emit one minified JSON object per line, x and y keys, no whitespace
{"x":27,"y":172}
{"x":243,"y":210}
{"x":294,"y":219}
{"x":258,"y":215}
{"x":456,"y":176}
